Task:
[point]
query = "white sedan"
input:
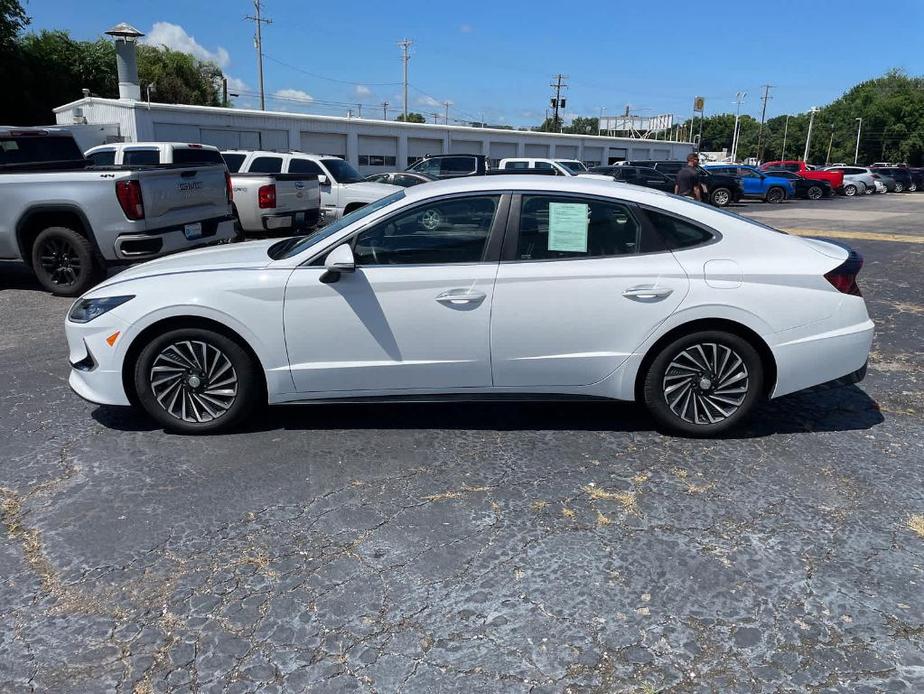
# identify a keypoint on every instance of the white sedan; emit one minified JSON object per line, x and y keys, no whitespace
{"x":510,"y":287}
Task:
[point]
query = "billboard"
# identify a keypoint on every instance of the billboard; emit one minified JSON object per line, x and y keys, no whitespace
{"x":643,"y":123}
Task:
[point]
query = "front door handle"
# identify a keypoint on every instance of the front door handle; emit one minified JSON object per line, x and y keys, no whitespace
{"x":648,"y":293}
{"x":459,"y":297}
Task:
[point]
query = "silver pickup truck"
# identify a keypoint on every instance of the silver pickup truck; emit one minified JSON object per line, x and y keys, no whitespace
{"x":67,"y":220}
{"x":265,"y":201}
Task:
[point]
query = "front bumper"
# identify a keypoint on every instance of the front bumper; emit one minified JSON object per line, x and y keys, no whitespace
{"x":96,"y":364}
{"x":152,"y":244}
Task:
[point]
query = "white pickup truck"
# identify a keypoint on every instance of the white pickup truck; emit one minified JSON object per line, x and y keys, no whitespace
{"x":264,"y":203}
{"x":342,"y":188}
{"x":67,"y":220}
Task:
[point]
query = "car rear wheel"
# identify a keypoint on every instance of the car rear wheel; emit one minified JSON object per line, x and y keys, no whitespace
{"x":899,"y":187}
{"x":815,"y":193}
{"x":912,"y":188}
{"x":850,"y":190}
{"x":776,"y":194}
{"x":196,"y":381}
{"x":721,"y":197}
{"x":64,"y":262}
{"x":703,"y":384}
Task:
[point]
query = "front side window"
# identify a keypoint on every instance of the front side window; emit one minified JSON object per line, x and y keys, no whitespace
{"x":342,"y":171}
{"x":266,"y":165}
{"x":564,"y":227}
{"x":445,"y":231}
{"x":406,"y":181}
{"x":304,"y":166}
{"x":677,"y":232}
{"x":141,"y":157}
{"x":431,"y":167}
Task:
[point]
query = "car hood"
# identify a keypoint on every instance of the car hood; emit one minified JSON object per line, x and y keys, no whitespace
{"x":373,"y":191}
{"x":252,"y":254}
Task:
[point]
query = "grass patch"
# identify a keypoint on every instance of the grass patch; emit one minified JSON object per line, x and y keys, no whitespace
{"x":916,"y":524}
{"x":628,"y":500}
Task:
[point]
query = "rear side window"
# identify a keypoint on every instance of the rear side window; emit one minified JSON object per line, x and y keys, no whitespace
{"x":516,"y":165}
{"x":677,"y":232}
{"x":266,"y":165}
{"x":554,"y":228}
{"x":141,"y":157}
{"x":194,"y":155}
{"x":233,"y":161}
{"x":105,"y":158}
{"x":35,"y":149}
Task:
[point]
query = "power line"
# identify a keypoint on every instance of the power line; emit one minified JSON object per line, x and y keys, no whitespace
{"x":329,"y":79}
{"x":259,"y":21}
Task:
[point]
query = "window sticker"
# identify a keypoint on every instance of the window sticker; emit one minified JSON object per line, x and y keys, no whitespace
{"x":568,"y":226}
{"x":9,"y":145}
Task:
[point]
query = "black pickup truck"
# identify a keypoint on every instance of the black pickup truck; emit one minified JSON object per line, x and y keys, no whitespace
{"x":721,"y":189}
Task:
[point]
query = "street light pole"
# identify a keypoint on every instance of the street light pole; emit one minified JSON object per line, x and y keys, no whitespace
{"x":808,"y":137}
{"x":739,"y":97}
{"x":856,"y":152}
{"x":785,"y":132}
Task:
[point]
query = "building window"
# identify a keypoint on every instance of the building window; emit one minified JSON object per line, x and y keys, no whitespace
{"x":376,"y":160}
{"x":413,"y":160}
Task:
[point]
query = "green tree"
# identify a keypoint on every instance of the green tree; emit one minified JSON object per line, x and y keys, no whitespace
{"x":178,"y":78}
{"x":13,"y":19}
{"x":412,"y":117}
{"x":581,"y":125}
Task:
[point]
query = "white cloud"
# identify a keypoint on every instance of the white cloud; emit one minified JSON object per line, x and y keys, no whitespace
{"x":174,"y":37}
{"x":294,"y":95}
{"x":236,"y":84}
{"x":363,"y":90}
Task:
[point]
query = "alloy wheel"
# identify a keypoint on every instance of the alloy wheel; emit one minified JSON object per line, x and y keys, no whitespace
{"x":814,"y":193}
{"x":61,"y":261}
{"x":721,"y":198}
{"x":850,"y":191}
{"x":913,"y":188}
{"x":705,"y":383}
{"x":193,"y":381}
{"x":899,"y":187}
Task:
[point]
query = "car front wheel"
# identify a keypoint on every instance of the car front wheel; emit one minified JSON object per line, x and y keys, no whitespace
{"x":899,"y":187}
{"x":776,"y":195}
{"x":721,"y":197}
{"x":703,"y":384}
{"x":196,"y":381}
{"x":815,"y":193}
{"x":850,"y":190}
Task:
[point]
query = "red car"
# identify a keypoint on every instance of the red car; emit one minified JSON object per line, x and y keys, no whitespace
{"x":835,"y":178}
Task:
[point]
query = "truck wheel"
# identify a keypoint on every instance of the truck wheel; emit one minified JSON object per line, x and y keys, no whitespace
{"x":720,"y":197}
{"x":64,"y":262}
{"x":814,"y":193}
{"x":776,"y":194}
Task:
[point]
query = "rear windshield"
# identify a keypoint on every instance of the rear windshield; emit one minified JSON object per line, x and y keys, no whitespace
{"x":34,"y":149}
{"x":233,"y":161}
{"x":194,"y":155}
{"x":141,"y":157}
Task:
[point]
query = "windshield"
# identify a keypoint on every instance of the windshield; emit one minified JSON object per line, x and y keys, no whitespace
{"x":573,"y":166}
{"x":342,"y":171}
{"x":294,"y":246}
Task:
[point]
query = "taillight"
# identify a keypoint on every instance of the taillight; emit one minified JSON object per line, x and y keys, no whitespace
{"x":267,"y":196}
{"x":129,"y":195}
{"x":844,"y":277}
{"x":229,"y":191}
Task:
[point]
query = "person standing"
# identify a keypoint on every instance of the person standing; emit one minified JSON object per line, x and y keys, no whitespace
{"x":687,"y":182}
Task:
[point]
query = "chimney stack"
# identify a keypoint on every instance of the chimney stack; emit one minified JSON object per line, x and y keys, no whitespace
{"x":126,"y":37}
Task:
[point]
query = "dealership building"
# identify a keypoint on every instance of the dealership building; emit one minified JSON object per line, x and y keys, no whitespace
{"x":370,"y":145}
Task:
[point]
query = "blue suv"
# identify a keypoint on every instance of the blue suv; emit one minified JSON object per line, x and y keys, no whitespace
{"x":756,"y":183}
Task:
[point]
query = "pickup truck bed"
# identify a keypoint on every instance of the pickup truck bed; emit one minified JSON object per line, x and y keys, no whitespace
{"x":276,"y":202}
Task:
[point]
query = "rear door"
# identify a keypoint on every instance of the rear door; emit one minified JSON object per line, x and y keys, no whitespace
{"x":583,"y":281}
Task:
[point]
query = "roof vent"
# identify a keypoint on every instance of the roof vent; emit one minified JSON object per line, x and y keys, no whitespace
{"x":126,"y":36}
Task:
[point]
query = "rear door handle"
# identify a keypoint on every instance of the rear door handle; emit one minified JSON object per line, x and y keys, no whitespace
{"x":460,"y":296}
{"x":648,"y":292}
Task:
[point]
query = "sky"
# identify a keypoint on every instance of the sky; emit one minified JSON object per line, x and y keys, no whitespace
{"x":495,"y":60}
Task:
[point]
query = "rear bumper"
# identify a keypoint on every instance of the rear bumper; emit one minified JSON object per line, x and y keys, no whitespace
{"x":823,"y":357}
{"x":159,"y":242}
{"x":302,"y":219}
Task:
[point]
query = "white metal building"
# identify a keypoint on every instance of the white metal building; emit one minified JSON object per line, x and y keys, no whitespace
{"x":370,"y":145}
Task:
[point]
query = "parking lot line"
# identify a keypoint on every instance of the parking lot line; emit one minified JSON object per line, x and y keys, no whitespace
{"x":865,"y":235}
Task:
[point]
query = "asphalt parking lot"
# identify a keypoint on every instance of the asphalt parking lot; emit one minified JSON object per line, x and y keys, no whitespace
{"x":475,"y":548}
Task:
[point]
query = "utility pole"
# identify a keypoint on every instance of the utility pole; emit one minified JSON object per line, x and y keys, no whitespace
{"x":405,"y":45}
{"x":385,"y":110}
{"x":259,"y":21}
{"x":763,"y":115}
{"x":600,"y":122}
{"x":446,"y":104}
{"x":557,"y":101}
{"x":359,"y":109}
{"x":739,"y":97}
{"x":808,"y":137}
{"x":856,"y":152}
{"x":435,"y":117}
{"x":785,"y":131}
{"x":830,"y":142}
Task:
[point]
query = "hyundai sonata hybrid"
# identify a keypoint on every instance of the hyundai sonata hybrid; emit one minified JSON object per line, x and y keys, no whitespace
{"x":507,"y":287}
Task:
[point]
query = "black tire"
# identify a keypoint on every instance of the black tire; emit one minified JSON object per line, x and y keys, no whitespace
{"x":815,"y":193}
{"x":913,"y":187}
{"x":720,"y":197}
{"x":899,"y":187}
{"x":207,"y":411}
{"x":661,"y":389}
{"x":850,"y":190}
{"x":64,"y":262}
{"x":776,"y":194}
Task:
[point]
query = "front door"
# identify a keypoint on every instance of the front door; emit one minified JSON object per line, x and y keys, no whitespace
{"x":414,"y":315}
{"x":579,"y":289}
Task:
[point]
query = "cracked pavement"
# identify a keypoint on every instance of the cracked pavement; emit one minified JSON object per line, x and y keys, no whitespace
{"x":468,"y":547}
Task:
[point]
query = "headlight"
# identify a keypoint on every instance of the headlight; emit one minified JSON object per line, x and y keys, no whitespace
{"x":85,"y":310}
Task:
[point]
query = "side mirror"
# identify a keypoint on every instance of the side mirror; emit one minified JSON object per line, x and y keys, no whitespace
{"x":338,"y":261}
{"x":323,"y":180}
